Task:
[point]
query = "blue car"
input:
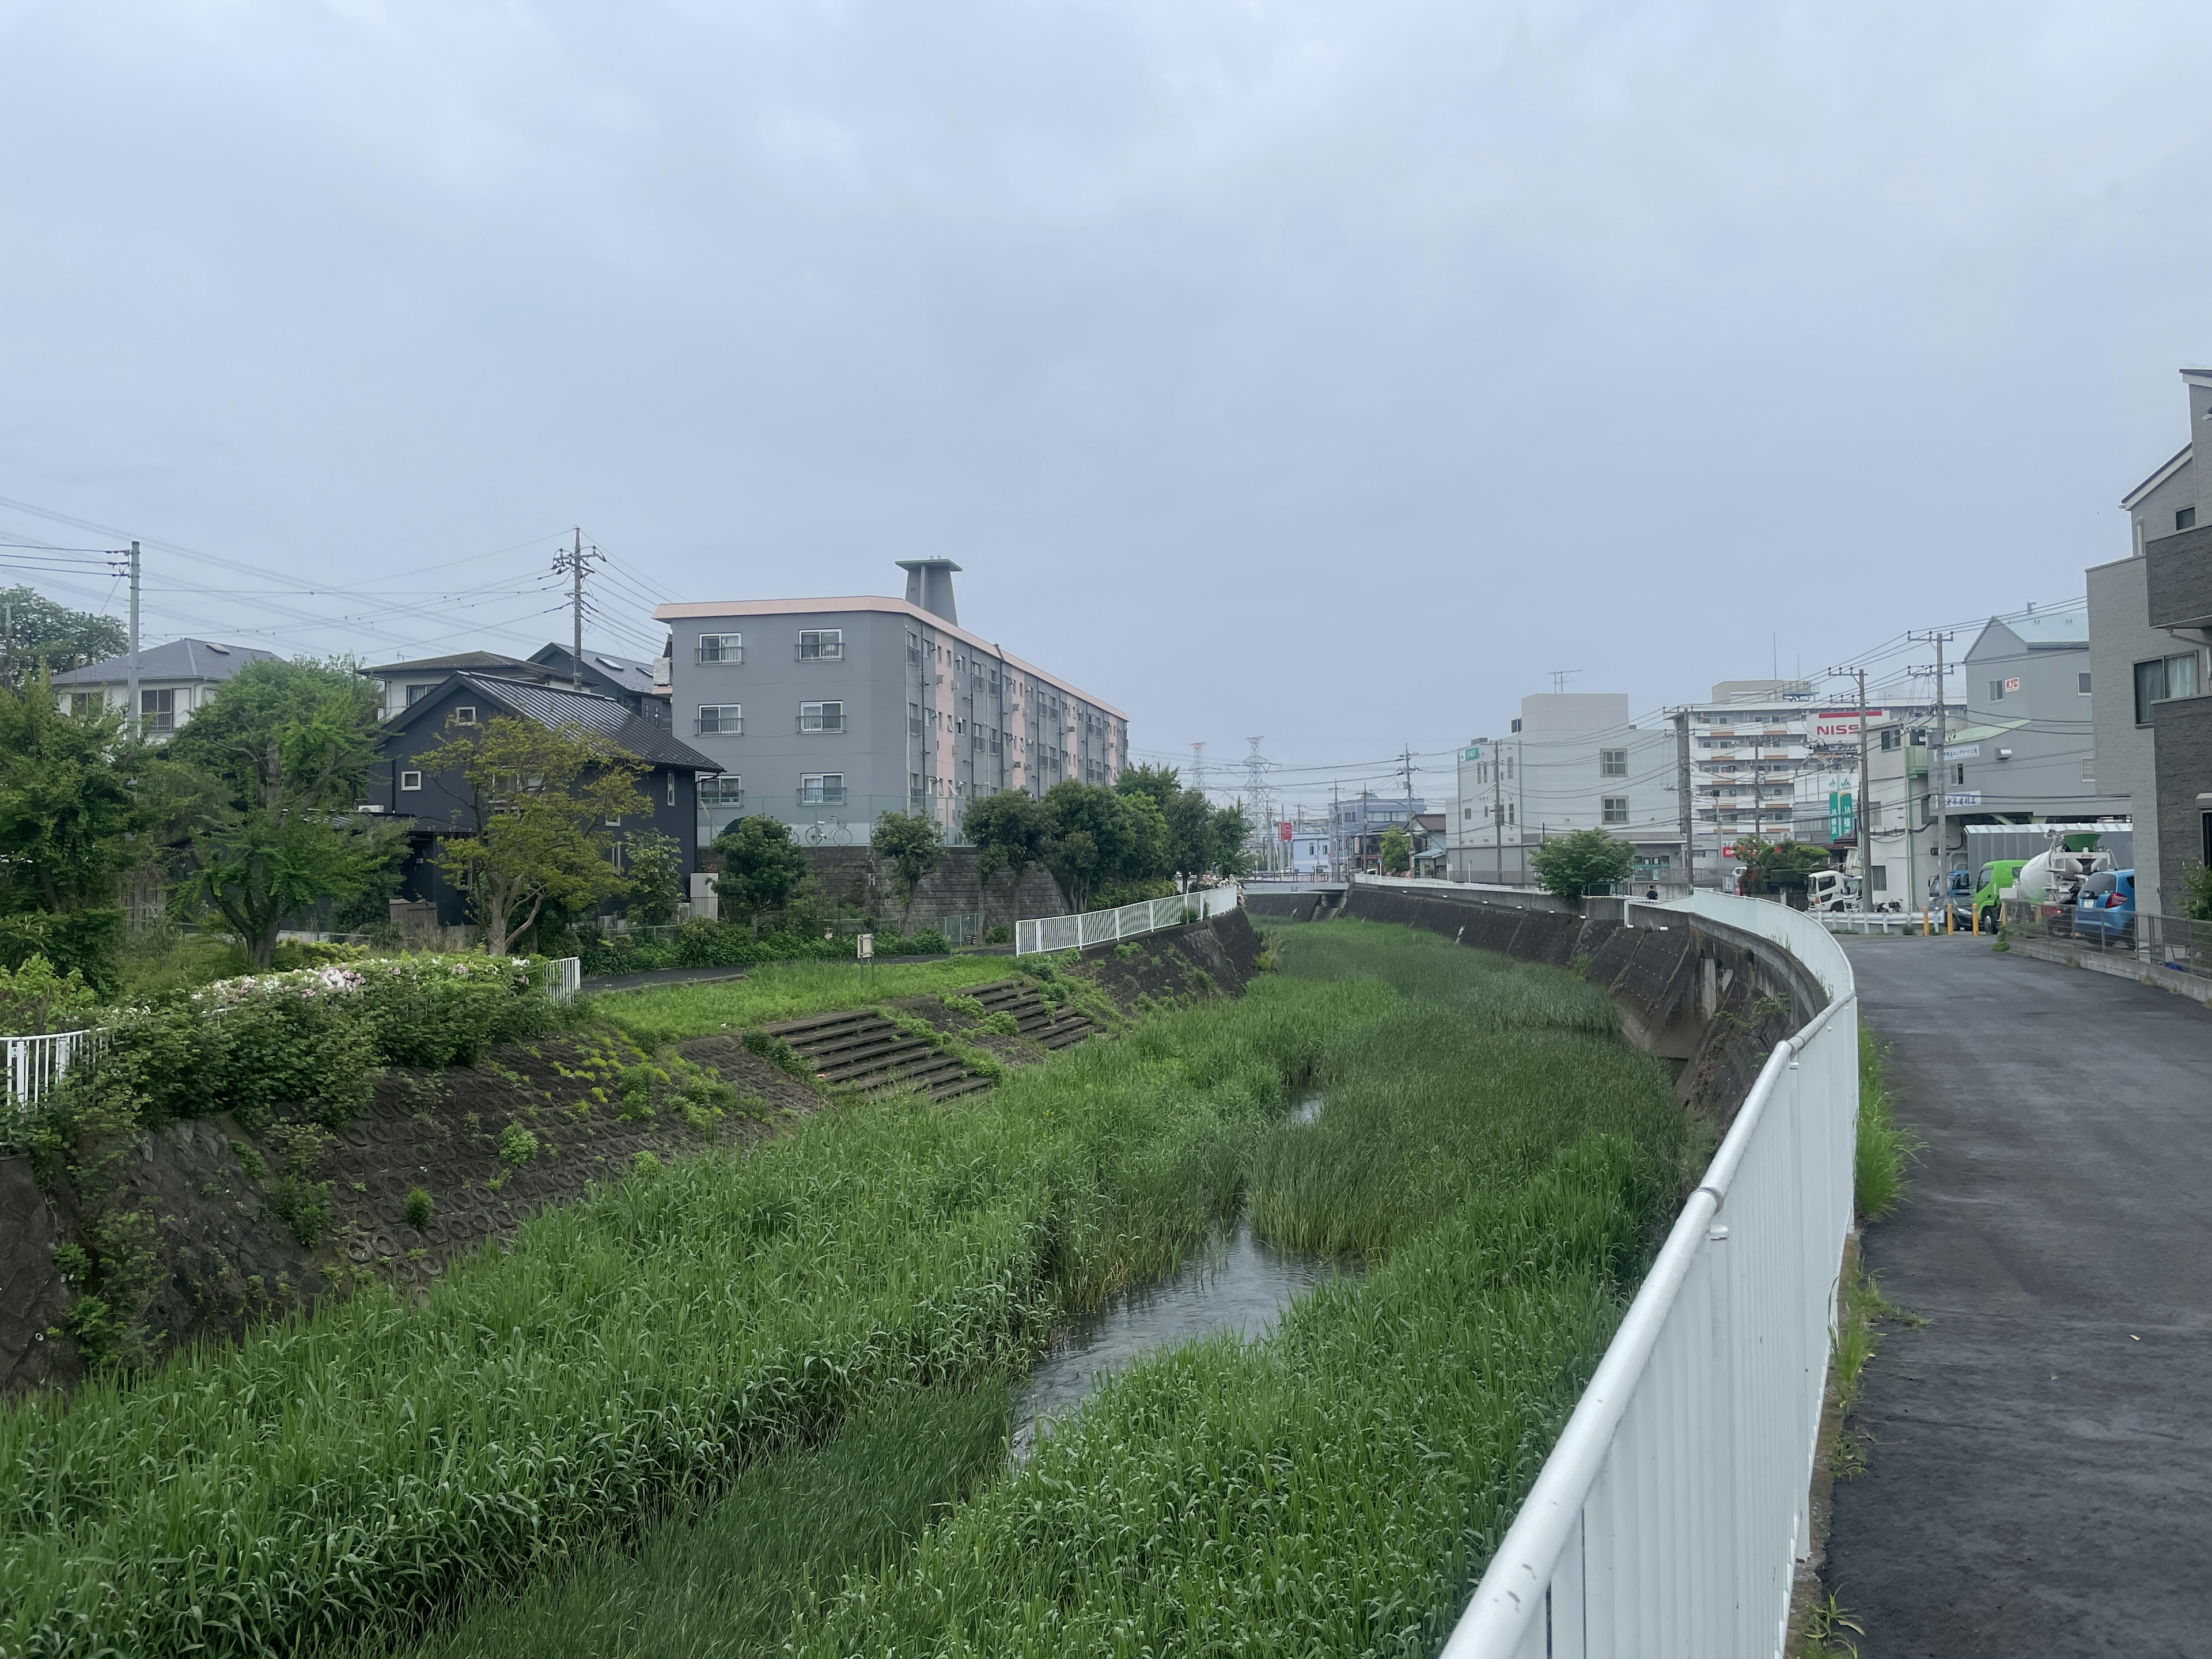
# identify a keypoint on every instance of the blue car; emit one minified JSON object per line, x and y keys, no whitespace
{"x":2106,"y":908}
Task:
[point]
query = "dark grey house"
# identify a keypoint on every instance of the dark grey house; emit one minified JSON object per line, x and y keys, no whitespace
{"x":640,"y":686}
{"x":435,"y":803}
{"x":2150,"y":624}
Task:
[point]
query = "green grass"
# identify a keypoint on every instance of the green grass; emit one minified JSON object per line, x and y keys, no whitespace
{"x":1507,"y":1165}
{"x":723,"y":1580}
{"x":583,"y":1441}
{"x":669,"y":1013}
{"x":1885,"y":1147}
{"x":377,"y":1461}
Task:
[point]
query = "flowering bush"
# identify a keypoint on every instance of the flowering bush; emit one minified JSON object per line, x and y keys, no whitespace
{"x":299,"y":1038}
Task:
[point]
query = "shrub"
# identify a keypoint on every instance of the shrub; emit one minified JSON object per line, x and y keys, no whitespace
{"x":301,"y":1201}
{"x":435,"y":1011}
{"x":927,"y":942}
{"x":1000,"y":934}
{"x":780,"y":1053}
{"x":517,"y":1146}
{"x":34,"y":999}
{"x":419,"y":1208}
{"x":292,"y":1039}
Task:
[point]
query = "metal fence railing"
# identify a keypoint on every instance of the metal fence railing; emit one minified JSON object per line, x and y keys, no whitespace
{"x":1092,"y":927}
{"x":36,"y":1065}
{"x":2164,"y":944}
{"x":1669,"y":1517}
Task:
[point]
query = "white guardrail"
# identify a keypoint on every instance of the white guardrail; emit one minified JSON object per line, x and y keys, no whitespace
{"x":1667,"y":1521}
{"x":1103,"y":927}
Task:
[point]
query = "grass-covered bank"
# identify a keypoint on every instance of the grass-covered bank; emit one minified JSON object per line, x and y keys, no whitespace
{"x":1501,"y":1159}
{"x":1507,"y":1165}
{"x":375,"y":1462}
{"x":788,"y":990}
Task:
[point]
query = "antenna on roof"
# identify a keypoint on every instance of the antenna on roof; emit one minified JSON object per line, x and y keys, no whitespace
{"x":1561,"y":676}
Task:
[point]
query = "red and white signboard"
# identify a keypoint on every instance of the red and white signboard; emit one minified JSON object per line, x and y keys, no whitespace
{"x":2012,"y":686}
{"x":1284,"y":830}
{"x":1838,"y":726}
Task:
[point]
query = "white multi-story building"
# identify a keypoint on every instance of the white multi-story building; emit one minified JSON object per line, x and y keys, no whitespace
{"x":1572,"y":761}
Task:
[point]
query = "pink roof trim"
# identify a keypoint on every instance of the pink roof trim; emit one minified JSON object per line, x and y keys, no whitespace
{"x":870,"y":602}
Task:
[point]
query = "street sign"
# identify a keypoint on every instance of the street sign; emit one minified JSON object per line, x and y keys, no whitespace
{"x":1963,"y":798}
{"x":1963,"y":751}
{"x":867,"y":947}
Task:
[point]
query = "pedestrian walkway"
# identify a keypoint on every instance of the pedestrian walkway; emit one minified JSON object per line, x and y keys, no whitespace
{"x":2040,"y":1480}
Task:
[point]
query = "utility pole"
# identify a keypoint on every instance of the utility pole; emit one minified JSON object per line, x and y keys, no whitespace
{"x":1684,"y":806}
{"x":575,"y":560}
{"x":1497,"y":807}
{"x":1198,"y":766}
{"x":1940,"y":763}
{"x":136,"y":727}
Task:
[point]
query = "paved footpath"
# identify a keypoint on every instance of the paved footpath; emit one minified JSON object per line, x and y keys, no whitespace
{"x":2040,"y":1480}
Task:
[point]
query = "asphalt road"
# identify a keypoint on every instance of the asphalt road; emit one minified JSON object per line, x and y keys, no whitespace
{"x":2040,"y":1476}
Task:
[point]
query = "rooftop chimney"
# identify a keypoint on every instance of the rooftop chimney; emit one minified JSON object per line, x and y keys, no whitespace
{"x":929,"y":585}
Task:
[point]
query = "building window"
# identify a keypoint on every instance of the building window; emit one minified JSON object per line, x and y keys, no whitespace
{"x":414,"y":693}
{"x":821,"y":644}
{"x":721,"y":647}
{"x":157,"y":710}
{"x":2082,"y":683}
{"x":1613,"y":763}
{"x":1881,"y":879}
{"x":1616,"y":809}
{"x":722,"y":719}
{"x":2185,"y":519}
{"x":724,"y":789}
{"x":822,"y":789}
{"x":84,"y":703}
{"x":1997,"y":691}
{"x":2162,"y":678}
{"x":913,"y":720}
{"x":2088,"y":768}
{"x":465,"y":714}
{"x":822,"y":717}
{"x":1889,"y":737}
{"x":410,"y":780}
{"x":671,"y":788}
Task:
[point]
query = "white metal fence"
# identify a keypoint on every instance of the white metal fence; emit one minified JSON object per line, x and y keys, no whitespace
{"x":1667,"y":1521}
{"x":35,"y":1065}
{"x":1103,"y":927}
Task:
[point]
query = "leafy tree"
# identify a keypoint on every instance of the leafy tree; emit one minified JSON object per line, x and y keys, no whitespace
{"x":2196,"y":884}
{"x":1397,"y":851}
{"x":285,"y":748}
{"x":46,"y":637}
{"x":1162,"y":784}
{"x":1010,"y":829}
{"x":656,"y":878}
{"x":1087,"y":837}
{"x":34,"y":999}
{"x":761,"y":865}
{"x":68,"y":815}
{"x":1202,"y":840}
{"x":910,"y":842}
{"x":1777,"y":866}
{"x":541,"y":796}
{"x":1232,"y":843}
{"x":1569,"y":865}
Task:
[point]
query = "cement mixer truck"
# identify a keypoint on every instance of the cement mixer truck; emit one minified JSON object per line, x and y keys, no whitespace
{"x":2053,"y":879}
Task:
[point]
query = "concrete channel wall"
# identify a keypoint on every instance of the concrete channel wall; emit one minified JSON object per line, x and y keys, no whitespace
{"x":1712,"y":996}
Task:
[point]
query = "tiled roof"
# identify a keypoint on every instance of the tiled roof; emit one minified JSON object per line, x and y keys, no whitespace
{"x":178,"y":659}
{"x":458,"y":659}
{"x":556,"y":705}
{"x":631,"y":673}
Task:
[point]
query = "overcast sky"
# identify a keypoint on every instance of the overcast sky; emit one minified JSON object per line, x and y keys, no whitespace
{"x":1321,"y":371}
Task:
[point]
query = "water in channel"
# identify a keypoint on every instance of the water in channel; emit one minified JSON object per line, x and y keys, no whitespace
{"x":1234,"y":1283}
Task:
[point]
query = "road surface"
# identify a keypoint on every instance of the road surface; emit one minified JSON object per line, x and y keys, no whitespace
{"x":2040,"y":1475}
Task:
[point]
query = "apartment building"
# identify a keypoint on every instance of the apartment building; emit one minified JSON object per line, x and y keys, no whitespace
{"x":1573,"y":760}
{"x":2026,"y":749}
{"x":828,"y":713}
{"x":2150,"y":626}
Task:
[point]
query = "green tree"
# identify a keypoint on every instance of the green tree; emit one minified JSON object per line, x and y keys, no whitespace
{"x":46,"y":637}
{"x":286,"y":747}
{"x":1088,"y":834}
{"x":68,"y":813}
{"x":1232,"y":843}
{"x":34,"y":999}
{"x":1161,"y":783}
{"x":2197,"y":886}
{"x":1397,"y":851}
{"x":540,"y":797}
{"x":1009,"y":829}
{"x":656,"y":878}
{"x":762,"y":866}
{"x":1779,"y":866}
{"x":1570,"y":866}
{"x":909,"y":842}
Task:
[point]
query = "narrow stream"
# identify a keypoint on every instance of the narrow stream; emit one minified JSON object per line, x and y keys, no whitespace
{"x":1234,"y":1283}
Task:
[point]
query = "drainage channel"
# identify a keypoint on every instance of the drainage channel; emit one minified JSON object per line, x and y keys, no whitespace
{"x":1235,"y":1283}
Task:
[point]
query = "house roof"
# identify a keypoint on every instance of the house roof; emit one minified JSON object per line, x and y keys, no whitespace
{"x":631,"y":673}
{"x":556,"y":705}
{"x":2157,"y":478}
{"x":873,"y":602}
{"x":459,"y":660}
{"x":1977,"y":733}
{"x":2040,"y":630}
{"x":179,"y":659}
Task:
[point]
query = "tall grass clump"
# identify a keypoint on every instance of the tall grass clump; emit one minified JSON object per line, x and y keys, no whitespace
{"x":378,"y":1462}
{"x":1885,"y":1147}
{"x":1507,"y":1166}
{"x":788,"y":990}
